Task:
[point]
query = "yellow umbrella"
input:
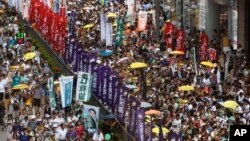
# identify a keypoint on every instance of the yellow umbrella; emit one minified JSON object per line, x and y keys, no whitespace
{"x":153,"y":112}
{"x":88,"y":26}
{"x":20,"y":87}
{"x":186,"y":88}
{"x":180,"y":64}
{"x":29,"y":56}
{"x":176,"y":52}
{"x":137,"y":65}
{"x":115,"y":24}
{"x":111,"y":15}
{"x":183,"y":102}
{"x":157,"y":130}
{"x":56,"y":82}
{"x":134,"y":78}
{"x":231,"y":104}
{"x":207,"y":63}
{"x":14,"y":67}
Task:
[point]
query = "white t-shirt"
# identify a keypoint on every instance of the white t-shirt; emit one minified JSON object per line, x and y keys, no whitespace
{"x":62,"y":134}
{"x":98,"y":137}
{"x":3,"y":82}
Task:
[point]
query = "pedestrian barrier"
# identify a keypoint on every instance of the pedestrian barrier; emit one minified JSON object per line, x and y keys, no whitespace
{"x":118,"y":129}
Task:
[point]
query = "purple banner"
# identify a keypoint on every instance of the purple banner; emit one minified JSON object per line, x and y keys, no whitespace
{"x":99,"y":81}
{"x":79,"y":59}
{"x":104,"y":83}
{"x":117,"y":91}
{"x":132,"y":115}
{"x":140,"y":124}
{"x":75,"y":57}
{"x":111,"y":90}
{"x":71,"y":39}
{"x":122,"y":108}
{"x":94,"y":67}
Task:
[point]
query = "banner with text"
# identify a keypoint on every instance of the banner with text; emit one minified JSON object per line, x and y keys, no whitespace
{"x":66,"y":87}
{"x":84,"y":85}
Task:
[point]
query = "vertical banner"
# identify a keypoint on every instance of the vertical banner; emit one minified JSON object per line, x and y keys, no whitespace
{"x":75,"y":56}
{"x":66,"y":87}
{"x":103,"y":26}
{"x":204,"y":46}
{"x":122,"y":107}
{"x":91,"y":115}
{"x":202,"y":14}
{"x":109,"y":32}
{"x":99,"y":82}
{"x":180,"y":40}
{"x":212,"y":54}
{"x":83,"y":87}
{"x":235,"y":27}
{"x":119,"y":32}
{"x":94,"y":68}
{"x":186,"y":15}
{"x":141,"y":124}
{"x":168,"y":35}
{"x":104,"y":83}
{"x":111,"y":88}
{"x":142,"y":20}
{"x":131,"y":11}
{"x":132,"y":115}
{"x":50,"y":86}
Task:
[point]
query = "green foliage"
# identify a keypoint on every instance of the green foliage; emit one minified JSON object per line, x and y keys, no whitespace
{"x":51,"y":61}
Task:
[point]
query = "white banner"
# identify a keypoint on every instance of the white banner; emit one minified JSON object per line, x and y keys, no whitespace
{"x":235,"y":29}
{"x":131,"y":10}
{"x":202,"y":14}
{"x":109,"y":32}
{"x":91,"y":116}
{"x":83,"y":88}
{"x":103,"y":26}
{"x":66,"y":88}
{"x":50,"y":86}
{"x":142,"y":20}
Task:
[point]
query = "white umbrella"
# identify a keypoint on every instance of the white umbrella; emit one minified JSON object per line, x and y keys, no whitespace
{"x":145,"y":104}
{"x":122,"y":59}
{"x":131,"y":86}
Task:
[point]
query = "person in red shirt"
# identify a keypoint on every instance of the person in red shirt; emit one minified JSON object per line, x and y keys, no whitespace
{"x":79,"y":128}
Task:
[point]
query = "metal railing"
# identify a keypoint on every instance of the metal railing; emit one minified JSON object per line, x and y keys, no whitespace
{"x":119,"y":129}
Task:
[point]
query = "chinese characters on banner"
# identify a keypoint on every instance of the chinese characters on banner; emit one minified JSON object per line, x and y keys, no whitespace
{"x":66,"y":87}
{"x":50,"y":86}
{"x":142,"y":21}
{"x":202,"y":14}
{"x":84,"y":85}
{"x":119,"y":32}
{"x":109,"y":32}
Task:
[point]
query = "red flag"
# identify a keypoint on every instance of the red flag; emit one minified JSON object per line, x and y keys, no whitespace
{"x":62,"y":11}
{"x":212,"y":54}
{"x":42,"y":13}
{"x":49,"y":21}
{"x":168,"y":34}
{"x":204,"y":46}
{"x":62,"y":34}
{"x":180,"y":40}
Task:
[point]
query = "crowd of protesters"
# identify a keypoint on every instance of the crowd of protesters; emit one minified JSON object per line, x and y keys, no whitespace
{"x":25,"y":113}
{"x":190,"y":115}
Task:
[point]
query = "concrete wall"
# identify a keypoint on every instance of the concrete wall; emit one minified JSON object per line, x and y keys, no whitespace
{"x":212,"y":17}
{"x":244,"y":24}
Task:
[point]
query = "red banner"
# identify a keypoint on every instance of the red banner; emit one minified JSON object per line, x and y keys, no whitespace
{"x":168,"y":34}
{"x":204,"y":46}
{"x":180,"y":40}
{"x":52,"y":26}
{"x":212,"y":54}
